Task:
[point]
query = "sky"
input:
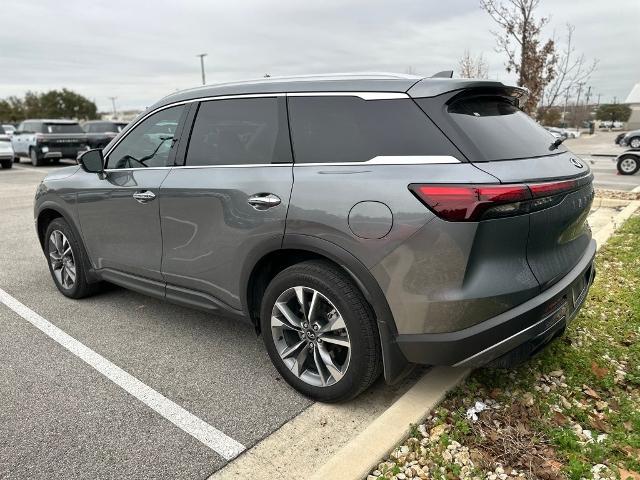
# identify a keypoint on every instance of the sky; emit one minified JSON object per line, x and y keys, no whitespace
{"x":138,"y":51}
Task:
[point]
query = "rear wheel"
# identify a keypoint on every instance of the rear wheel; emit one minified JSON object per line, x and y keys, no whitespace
{"x":634,"y":142}
{"x":16,"y":159}
{"x":7,"y":163}
{"x":628,"y":164}
{"x":66,"y":259}
{"x":320,"y":332}
{"x":36,"y":160}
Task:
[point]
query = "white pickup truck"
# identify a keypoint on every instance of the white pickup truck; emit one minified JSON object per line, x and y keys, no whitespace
{"x":44,"y":140}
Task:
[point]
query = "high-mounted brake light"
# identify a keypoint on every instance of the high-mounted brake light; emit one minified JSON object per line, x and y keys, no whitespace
{"x":472,"y":203}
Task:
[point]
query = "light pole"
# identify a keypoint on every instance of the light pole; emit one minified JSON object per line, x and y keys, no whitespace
{"x":113,"y":104}
{"x":202,"y":55}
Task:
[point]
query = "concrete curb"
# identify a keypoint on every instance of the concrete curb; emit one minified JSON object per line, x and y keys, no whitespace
{"x":355,"y":459}
{"x":609,"y":202}
{"x":605,"y":232}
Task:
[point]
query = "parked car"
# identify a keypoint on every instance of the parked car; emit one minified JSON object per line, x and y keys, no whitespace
{"x":557,"y":132}
{"x":44,"y":140}
{"x":6,"y":150}
{"x":630,"y":139}
{"x":572,"y":132}
{"x":101,"y":132}
{"x":8,"y":128}
{"x":628,"y":163}
{"x":360,"y":224}
{"x":619,"y":138}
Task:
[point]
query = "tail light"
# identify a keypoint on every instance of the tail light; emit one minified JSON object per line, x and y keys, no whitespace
{"x":472,"y":203}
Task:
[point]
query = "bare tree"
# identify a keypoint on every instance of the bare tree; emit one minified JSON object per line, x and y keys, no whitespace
{"x":473,"y":67}
{"x":533,"y":61}
{"x":572,"y":71}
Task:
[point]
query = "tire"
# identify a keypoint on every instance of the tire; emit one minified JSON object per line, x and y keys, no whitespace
{"x":7,"y":163}
{"x":634,"y":142}
{"x":36,"y":160}
{"x":16,"y":159}
{"x":628,"y":164}
{"x":338,"y":303}
{"x":80,"y":287}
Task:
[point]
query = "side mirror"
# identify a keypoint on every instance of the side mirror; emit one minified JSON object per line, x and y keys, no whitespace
{"x":92,"y":161}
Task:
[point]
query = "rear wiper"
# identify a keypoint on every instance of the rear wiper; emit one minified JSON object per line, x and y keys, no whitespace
{"x":556,"y":143}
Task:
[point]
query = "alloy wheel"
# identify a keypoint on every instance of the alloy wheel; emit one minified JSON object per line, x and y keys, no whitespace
{"x":62,"y":260}
{"x":310,"y":336}
{"x":628,"y":165}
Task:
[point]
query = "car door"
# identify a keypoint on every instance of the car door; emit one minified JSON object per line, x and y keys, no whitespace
{"x":119,"y":209}
{"x":229,"y":201}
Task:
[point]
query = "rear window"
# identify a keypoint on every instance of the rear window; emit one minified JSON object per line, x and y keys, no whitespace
{"x":350,"y":129}
{"x":490,"y":128}
{"x":62,"y":128}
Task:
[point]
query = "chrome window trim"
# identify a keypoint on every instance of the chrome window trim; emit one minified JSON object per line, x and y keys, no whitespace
{"x":379,"y":160}
{"x":369,"y":95}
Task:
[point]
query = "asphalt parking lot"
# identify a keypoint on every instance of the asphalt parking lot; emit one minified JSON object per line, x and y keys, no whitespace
{"x":60,"y":418}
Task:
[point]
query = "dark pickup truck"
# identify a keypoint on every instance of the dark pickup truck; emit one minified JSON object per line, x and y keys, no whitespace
{"x":44,"y":140}
{"x":101,"y":132}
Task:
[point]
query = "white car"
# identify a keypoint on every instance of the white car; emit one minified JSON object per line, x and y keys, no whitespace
{"x":8,"y":128}
{"x":6,"y":152}
{"x":572,"y":132}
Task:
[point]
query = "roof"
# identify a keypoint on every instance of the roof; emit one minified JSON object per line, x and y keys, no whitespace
{"x":340,"y":82}
{"x":634,"y":95}
{"x":51,"y":120}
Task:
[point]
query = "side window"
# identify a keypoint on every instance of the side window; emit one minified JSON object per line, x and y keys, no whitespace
{"x":150,"y":143}
{"x":350,"y":129}
{"x":240,"y":131}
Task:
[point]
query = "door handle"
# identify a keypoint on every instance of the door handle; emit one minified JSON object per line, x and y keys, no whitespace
{"x":144,"y":196}
{"x":262,"y":201}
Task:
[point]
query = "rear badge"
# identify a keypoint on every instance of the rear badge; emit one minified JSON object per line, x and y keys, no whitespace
{"x":576,"y":162}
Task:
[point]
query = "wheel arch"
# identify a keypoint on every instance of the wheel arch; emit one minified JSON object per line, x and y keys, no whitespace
{"x":296,"y":248}
{"x":49,"y":211}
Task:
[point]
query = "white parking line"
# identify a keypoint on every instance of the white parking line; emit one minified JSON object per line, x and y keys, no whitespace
{"x":213,"y":438}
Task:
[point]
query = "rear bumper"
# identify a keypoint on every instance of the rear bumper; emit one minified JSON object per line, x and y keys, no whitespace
{"x":533,"y":323}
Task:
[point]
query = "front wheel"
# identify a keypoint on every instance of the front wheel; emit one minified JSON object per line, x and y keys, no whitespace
{"x":320,"y":332}
{"x":628,"y":164}
{"x":66,"y":259}
{"x":634,"y":142}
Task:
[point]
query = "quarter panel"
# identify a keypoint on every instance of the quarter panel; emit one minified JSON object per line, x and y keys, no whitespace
{"x":323,"y":196}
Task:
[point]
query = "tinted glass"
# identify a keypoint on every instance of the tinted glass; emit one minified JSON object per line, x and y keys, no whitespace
{"x":350,"y":129}
{"x":497,"y":130}
{"x":2,"y":131}
{"x":239,"y":131}
{"x":150,"y":143}
{"x":62,"y":128}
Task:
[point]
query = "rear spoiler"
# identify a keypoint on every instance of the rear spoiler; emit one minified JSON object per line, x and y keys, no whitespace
{"x":437,"y":85}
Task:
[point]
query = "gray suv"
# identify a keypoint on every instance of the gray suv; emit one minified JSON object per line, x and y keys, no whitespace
{"x":360,"y":223}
